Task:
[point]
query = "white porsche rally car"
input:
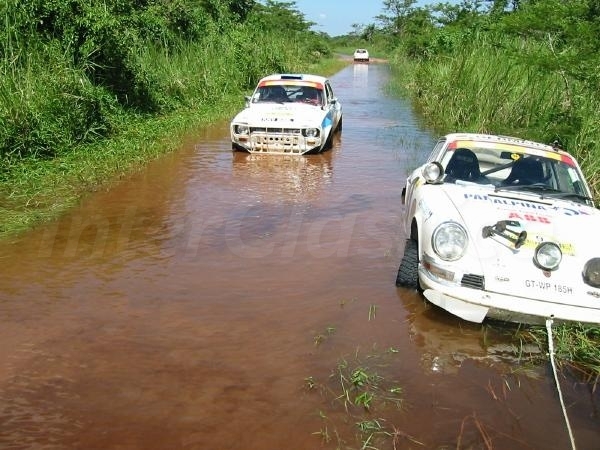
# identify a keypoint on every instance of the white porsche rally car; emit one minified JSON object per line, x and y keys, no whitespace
{"x":503,"y":228}
{"x":288,"y":114}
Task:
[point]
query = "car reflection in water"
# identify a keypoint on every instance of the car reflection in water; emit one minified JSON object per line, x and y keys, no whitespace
{"x":285,"y":177}
{"x":361,"y":76}
{"x":445,"y":343}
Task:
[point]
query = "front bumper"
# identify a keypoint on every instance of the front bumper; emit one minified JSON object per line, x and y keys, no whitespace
{"x":475,"y":305}
{"x":277,"y":141}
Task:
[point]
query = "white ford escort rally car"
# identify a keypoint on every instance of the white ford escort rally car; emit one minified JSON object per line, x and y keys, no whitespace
{"x":503,"y":228}
{"x":288,"y":114}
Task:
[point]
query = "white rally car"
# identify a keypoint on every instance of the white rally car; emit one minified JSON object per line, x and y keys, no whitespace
{"x":503,"y":228}
{"x":361,"y":55}
{"x":288,"y":114}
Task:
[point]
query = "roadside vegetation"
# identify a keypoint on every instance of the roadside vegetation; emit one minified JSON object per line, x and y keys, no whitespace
{"x":91,"y":90}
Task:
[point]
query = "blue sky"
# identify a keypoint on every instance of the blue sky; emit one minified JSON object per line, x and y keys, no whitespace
{"x":335,"y":17}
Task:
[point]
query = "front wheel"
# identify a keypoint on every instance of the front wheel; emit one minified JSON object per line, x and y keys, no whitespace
{"x":408,"y":272}
{"x":339,"y":125}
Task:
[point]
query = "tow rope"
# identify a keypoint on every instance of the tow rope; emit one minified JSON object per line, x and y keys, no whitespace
{"x":560,"y":396}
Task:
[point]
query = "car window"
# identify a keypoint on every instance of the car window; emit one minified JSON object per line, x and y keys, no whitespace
{"x":329,"y":92}
{"x":514,"y":167}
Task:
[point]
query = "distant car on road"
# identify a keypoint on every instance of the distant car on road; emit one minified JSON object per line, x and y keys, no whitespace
{"x":503,"y":228}
{"x":288,"y":114}
{"x":361,"y":55}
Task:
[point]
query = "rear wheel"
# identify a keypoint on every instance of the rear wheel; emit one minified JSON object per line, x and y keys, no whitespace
{"x":408,"y":272}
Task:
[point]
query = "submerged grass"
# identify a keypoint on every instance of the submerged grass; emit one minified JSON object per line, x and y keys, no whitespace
{"x":356,"y":387}
{"x":576,"y":348}
{"x":364,"y":405}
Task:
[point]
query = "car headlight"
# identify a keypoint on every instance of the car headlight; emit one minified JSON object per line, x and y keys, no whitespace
{"x":241,"y":129}
{"x":547,"y":256}
{"x":433,"y":172}
{"x":591,"y":272}
{"x":311,"y":132}
{"x":449,"y":241}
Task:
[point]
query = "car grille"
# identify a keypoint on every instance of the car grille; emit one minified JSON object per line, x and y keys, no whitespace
{"x":277,"y":140}
{"x":276,"y":130}
{"x":473,"y":281}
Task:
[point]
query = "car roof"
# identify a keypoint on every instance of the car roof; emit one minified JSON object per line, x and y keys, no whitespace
{"x":294,"y":76}
{"x":502,"y":140}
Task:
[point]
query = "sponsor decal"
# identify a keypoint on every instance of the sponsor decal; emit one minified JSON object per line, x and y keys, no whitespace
{"x":524,"y":205}
{"x":532,"y":242}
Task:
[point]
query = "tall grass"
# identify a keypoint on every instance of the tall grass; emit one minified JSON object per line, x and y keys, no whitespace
{"x":486,"y":88}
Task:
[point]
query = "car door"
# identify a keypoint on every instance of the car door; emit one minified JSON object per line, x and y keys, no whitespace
{"x":334,"y":108}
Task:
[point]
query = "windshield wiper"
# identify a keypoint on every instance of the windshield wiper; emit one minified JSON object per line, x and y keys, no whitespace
{"x":546,"y":191}
{"x":559,"y":194}
{"x":529,"y":187}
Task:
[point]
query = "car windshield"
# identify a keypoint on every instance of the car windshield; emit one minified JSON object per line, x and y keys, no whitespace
{"x":285,"y":93}
{"x":513,"y":168}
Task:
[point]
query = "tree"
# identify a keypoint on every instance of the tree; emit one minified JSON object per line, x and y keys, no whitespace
{"x":280,"y":16}
{"x":398,"y":11}
{"x":235,"y":10}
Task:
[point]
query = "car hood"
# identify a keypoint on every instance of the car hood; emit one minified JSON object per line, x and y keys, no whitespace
{"x":285,"y":115}
{"x":543,"y":219}
{"x":506,"y":266}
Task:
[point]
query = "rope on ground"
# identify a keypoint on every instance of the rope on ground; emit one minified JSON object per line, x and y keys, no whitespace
{"x":560,"y":396}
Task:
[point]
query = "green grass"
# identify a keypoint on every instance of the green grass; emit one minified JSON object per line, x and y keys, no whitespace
{"x":575,"y":347}
{"x":361,"y":392}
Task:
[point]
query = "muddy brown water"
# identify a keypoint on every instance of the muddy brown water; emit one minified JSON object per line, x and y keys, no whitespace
{"x":194,"y":304}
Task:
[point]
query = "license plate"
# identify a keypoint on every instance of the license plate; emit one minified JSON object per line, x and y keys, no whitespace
{"x":547,"y":286}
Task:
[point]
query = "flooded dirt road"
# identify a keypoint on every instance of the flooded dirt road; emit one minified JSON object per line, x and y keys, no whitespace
{"x":220,"y":300}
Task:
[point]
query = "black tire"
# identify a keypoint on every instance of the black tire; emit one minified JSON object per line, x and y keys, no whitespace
{"x":329,"y":141}
{"x":408,"y":272}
